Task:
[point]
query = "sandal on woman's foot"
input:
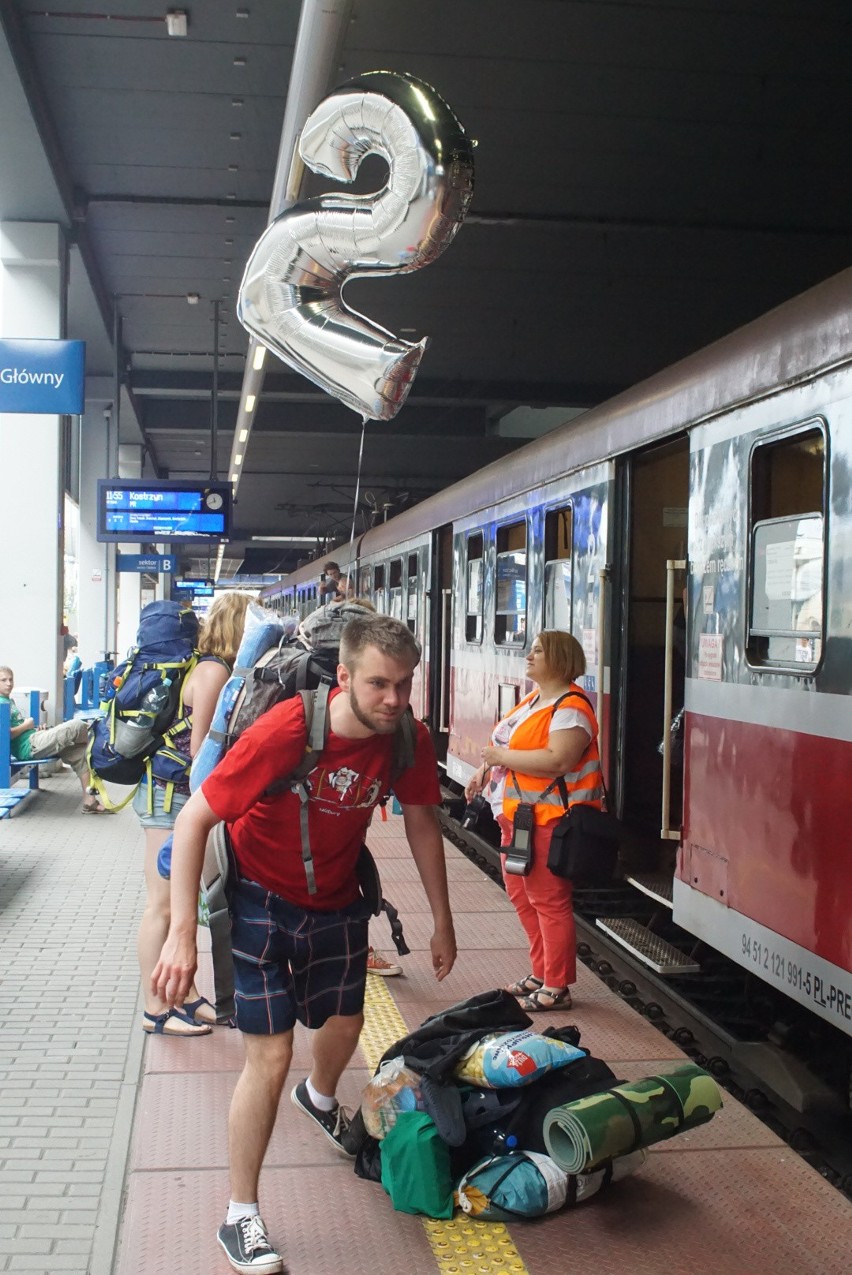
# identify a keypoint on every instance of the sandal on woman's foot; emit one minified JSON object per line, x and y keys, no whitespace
{"x":545,"y":1000}
{"x":159,"y":1024}
{"x":192,"y":1007}
{"x":94,"y":809}
{"x":524,"y":986}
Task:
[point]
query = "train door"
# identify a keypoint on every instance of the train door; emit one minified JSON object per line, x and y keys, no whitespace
{"x":654,"y":496}
{"x":441,"y":638}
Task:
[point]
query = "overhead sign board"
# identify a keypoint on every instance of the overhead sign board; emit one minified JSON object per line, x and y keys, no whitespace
{"x":43,"y":377}
{"x":185,"y":582}
{"x":154,"y":563}
{"x":159,"y":509}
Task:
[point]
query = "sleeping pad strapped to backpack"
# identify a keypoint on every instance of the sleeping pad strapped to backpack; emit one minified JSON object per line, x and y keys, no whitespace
{"x":274,"y":665}
{"x":143,"y":703}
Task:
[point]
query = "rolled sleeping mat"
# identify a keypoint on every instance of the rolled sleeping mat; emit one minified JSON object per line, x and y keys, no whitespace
{"x":582,"y":1135}
{"x":261,"y":632}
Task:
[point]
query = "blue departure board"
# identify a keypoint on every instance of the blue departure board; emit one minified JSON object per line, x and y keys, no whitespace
{"x":162,"y":510}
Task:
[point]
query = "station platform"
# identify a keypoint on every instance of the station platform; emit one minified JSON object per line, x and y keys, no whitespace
{"x":113,"y":1144}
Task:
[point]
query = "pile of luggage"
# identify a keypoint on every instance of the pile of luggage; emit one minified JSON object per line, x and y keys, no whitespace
{"x":475,"y":1109}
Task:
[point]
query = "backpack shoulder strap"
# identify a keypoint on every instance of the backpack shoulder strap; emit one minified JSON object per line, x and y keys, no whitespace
{"x":317,"y":727}
{"x":404,"y":746}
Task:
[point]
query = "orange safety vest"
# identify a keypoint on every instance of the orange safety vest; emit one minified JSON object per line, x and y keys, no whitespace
{"x":584,"y":784}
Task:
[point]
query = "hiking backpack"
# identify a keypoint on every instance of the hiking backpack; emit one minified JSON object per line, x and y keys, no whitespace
{"x":274,"y":664}
{"x":143,"y":705}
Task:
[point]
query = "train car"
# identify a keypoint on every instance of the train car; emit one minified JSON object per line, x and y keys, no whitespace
{"x":711,"y":502}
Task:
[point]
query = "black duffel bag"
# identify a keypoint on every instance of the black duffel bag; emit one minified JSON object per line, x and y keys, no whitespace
{"x":584,"y":845}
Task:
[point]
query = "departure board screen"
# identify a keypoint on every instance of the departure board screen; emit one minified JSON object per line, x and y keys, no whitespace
{"x":162,"y":510}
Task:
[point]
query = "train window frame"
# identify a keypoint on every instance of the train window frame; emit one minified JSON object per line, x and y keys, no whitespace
{"x":395,"y":588}
{"x":551,"y":562}
{"x":474,"y":626}
{"x":380,"y":592}
{"x":504,"y":635}
{"x":793,"y":652}
{"x":412,"y":605}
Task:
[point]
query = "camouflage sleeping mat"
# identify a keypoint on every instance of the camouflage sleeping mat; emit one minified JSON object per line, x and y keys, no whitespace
{"x":584,"y":1134}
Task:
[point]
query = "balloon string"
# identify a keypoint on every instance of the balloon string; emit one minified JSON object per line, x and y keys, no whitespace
{"x":355,"y":505}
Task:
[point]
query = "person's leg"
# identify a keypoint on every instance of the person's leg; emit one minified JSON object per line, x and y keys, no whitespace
{"x":552,"y":898}
{"x":333,"y":1046}
{"x":516,"y":890}
{"x":68,"y":741}
{"x":153,"y":929}
{"x":254,"y":1107}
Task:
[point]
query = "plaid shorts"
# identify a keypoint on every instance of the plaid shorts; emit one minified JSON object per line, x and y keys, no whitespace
{"x":290,"y":963}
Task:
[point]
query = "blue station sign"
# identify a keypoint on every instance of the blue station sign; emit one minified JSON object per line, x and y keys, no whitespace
{"x":153,"y":563}
{"x":44,"y":377}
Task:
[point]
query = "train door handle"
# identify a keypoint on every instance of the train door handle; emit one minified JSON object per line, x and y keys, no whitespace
{"x":667,"y":833}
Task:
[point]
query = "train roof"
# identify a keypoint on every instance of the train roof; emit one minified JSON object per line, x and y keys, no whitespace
{"x":794,"y":342}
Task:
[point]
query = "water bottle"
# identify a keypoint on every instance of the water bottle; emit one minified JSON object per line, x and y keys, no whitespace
{"x":498,"y":1141}
{"x":155,"y":700}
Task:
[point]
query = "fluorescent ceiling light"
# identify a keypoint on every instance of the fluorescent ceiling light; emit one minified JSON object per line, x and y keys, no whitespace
{"x":233,"y":478}
{"x":238,"y":459}
{"x":243,"y":435}
{"x":259,"y":356}
{"x":249,"y":402}
{"x":289,"y":540}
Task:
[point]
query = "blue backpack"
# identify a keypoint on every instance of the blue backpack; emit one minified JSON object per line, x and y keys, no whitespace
{"x":143,"y":705}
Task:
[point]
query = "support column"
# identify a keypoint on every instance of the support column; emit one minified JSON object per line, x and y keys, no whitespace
{"x":96,"y":589}
{"x":33,"y":283}
{"x":129,"y":582}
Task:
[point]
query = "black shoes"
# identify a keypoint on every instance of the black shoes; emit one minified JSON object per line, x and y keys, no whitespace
{"x":247,"y":1247}
{"x":334,"y":1124}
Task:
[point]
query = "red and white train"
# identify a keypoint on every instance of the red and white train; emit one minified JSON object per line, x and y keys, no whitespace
{"x":729,"y":475}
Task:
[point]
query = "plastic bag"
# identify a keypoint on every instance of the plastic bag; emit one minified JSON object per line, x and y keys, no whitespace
{"x":393,"y":1089}
{"x":505,"y":1059}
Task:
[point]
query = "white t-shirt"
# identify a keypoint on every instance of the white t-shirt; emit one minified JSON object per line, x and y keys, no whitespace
{"x":565,"y":718}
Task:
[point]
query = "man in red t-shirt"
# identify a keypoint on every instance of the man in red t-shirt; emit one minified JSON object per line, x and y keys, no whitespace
{"x":299,"y":955}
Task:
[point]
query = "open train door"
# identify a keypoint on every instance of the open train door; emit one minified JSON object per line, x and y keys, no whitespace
{"x":650,"y":623}
{"x":441,"y":639}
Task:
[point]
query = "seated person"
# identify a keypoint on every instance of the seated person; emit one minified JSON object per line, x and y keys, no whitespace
{"x":68,"y":741}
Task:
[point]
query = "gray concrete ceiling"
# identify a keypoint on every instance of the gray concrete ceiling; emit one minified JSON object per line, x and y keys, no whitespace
{"x":649,"y":176}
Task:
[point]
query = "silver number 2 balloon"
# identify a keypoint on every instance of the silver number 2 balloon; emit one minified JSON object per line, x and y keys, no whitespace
{"x":290,"y":297}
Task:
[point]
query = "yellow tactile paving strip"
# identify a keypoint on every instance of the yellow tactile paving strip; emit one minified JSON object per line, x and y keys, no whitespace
{"x":461,"y":1247}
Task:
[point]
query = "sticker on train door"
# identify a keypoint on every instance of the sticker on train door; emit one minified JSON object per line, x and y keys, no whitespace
{"x":710,"y":650}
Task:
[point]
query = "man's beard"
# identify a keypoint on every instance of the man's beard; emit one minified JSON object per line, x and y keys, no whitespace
{"x":382,"y":725}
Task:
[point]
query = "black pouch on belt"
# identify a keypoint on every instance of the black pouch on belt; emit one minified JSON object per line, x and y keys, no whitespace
{"x":519,"y":855}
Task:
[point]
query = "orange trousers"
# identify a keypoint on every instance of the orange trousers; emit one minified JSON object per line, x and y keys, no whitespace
{"x":544,"y":904}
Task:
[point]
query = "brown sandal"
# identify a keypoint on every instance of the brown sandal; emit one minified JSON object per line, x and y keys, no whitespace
{"x":543,"y":1000}
{"x":525,"y":986}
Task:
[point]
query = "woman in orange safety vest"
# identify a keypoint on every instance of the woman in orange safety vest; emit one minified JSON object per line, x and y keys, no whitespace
{"x":544,"y":753}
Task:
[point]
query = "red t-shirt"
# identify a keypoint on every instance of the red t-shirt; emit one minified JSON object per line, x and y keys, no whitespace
{"x":344,"y":789}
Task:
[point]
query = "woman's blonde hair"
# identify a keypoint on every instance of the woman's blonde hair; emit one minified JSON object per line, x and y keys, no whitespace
{"x":222,"y":630}
{"x":563,"y":655}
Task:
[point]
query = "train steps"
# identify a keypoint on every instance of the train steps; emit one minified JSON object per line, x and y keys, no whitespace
{"x":662,"y":957}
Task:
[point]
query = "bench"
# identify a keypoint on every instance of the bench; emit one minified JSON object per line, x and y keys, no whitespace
{"x":87,"y":681}
{"x":11,"y":797}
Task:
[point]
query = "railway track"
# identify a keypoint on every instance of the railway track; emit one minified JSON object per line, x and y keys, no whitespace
{"x":789,"y":1068}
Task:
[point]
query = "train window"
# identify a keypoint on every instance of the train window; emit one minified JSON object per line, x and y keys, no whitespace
{"x":396,"y":588}
{"x":558,"y":544}
{"x":473,"y":616}
{"x":413,"y":591}
{"x":511,"y":620}
{"x":787,"y":551}
{"x":380,"y":596}
{"x":366,"y":582}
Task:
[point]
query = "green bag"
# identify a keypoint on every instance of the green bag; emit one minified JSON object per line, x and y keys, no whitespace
{"x":416,"y":1166}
